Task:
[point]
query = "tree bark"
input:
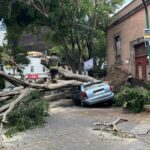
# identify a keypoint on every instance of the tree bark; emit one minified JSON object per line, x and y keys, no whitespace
{"x":70,"y":75}
{"x":2,"y":99}
{"x":11,"y":93}
{"x":3,"y":108}
{"x":80,"y":53}
{"x":13,"y":80}
{"x":61,"y":84}
{"x":90,"y":44}
{"x":14,"y":90}
{"x":54,"y":97}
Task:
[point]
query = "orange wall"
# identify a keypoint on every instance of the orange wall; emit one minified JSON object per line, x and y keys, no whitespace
{"x":129,"y":30}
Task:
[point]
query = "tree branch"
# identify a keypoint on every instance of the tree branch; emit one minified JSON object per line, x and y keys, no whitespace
{"x":32,"y":3}
{"x":12,"y":104}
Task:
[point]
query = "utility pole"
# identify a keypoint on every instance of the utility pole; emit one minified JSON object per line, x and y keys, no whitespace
{"x":147,"y":27}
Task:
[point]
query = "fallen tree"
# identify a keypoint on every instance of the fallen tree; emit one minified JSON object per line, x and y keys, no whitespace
{"x":69,"y":75}
{"x":75,"y":80}
{"x":62,"y":90}
{"x":57,"y":96}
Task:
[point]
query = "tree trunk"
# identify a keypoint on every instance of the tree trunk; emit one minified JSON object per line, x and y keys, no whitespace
{"x":69,"y":75}
{"x":80,"y":54}
{"x":54,"y":97}
{"x":90,"y":44}
{"x":12,"y":80}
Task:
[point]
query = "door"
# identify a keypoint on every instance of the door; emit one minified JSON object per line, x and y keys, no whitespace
{"x":141,"y":62}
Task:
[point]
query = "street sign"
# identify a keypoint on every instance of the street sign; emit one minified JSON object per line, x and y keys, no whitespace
{"x":146,"y":34}
{"x":147,"y":37}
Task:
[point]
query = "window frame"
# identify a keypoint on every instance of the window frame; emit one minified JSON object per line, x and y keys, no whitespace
{"x":117,"y":48}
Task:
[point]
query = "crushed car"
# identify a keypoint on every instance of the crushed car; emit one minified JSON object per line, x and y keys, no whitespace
{"x":93,"y":93}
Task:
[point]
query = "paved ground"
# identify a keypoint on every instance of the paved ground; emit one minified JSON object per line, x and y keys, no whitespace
{"x":71,"y":128}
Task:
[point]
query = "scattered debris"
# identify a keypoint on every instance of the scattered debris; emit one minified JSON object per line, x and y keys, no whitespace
{"x":112,"y":125}
{"x":112,"y":128}
{"x":147,"y":108}
{"x":61,"y":90}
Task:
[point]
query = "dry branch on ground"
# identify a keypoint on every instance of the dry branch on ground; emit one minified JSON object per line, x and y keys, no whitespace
{"x":112,"y":127}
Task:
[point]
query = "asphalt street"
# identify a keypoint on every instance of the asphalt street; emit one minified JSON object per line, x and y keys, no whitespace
{"x":71,"y":128}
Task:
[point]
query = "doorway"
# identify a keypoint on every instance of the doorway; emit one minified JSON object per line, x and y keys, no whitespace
{"x":141,"y":62}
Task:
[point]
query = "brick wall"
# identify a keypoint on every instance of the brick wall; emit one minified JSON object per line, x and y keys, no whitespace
{"x":129,"y":30}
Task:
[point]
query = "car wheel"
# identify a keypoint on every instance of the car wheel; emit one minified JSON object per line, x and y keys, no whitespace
{"x":82,"y":103}
{"x":110,"y":102}
{"x":76,"y":99}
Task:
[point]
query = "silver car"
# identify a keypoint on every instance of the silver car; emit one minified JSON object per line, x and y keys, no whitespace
{"x":93,"y":93}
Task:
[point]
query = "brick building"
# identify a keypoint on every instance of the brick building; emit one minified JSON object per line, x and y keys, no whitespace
{"x":125,"y":39}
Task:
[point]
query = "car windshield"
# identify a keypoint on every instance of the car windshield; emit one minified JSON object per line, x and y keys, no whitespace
{"x":92,"y":85}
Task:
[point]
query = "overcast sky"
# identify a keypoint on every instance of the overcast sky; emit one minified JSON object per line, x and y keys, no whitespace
{"x":126,"y":2}
{"x":2,"y":33}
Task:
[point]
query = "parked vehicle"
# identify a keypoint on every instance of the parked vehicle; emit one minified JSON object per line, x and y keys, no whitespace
{"x":93,"y":92}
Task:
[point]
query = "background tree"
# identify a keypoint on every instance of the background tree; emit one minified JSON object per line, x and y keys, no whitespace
{"x":76,"y":26}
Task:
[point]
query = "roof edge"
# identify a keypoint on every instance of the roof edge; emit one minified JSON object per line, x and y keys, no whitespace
{"x":126,"y":16}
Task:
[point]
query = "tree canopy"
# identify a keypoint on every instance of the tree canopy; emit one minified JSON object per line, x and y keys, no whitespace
{"x":76,"y":27}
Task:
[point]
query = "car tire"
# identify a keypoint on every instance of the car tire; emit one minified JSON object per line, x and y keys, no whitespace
{"x":82,"y":103}
{"x":110,"y":102}
{"x":76,"y":99}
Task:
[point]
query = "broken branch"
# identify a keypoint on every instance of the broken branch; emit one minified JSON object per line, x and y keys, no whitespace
{"x":12,"y":104}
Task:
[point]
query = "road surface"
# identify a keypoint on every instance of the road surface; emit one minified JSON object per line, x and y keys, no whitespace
{"x":71,"y":128}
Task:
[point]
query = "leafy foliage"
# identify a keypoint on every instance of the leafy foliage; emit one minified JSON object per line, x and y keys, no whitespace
{"x":29,"y":114}
{"x":132,"y":99}
{"x":77,"y":26}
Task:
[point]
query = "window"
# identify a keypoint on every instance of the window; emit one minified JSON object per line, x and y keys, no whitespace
{"x":118,"y":49}
{"x":32,"y":68}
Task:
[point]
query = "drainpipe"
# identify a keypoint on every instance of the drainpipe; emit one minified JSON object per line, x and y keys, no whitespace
{"x":147,"y":27}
